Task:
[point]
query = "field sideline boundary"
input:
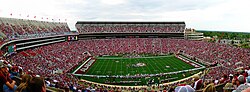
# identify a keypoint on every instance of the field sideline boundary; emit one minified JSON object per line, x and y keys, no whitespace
{"x":81,"y":66}
{"x":134,"y":57}
{"x":194,"y":69}
{"x":168,"y":83}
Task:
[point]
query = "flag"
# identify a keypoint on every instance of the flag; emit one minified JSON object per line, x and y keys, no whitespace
{"x":27,"y":15}
{"x":42,"y":17}
{"x":10,"y":14}
{"x":47,"y":18}
{"x":34,"y":16}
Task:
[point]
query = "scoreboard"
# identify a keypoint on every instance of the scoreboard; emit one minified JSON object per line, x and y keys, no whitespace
{"x":72,"y":38}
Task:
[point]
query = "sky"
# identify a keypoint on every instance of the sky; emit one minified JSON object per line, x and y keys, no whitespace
{"x":217,"y":15}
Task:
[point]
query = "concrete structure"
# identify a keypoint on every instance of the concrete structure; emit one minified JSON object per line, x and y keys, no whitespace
{"x":191,"y":34}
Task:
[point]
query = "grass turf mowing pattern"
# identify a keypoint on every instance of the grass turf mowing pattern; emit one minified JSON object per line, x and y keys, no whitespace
{"x":154,"y":65}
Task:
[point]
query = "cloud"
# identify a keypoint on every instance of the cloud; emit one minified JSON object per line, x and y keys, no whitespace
{"x":228,"y":15}
{"x":113,"y":2}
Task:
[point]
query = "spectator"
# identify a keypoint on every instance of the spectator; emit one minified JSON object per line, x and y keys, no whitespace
{"x":241,"y":79}
{"x":248,"y":80}
{"x":6,"y":85}
{"x":210,"y":88}
{"x":224,"y":79}
{"x":197,"y":82}
{"x":246,"y":90}
{"x":186,"y":88}
{"x":36,"y":84}
{"x":228,"y":87}
{"x":241,"y":88}
{"x":24,"y":83}
{"x":230,"y":77}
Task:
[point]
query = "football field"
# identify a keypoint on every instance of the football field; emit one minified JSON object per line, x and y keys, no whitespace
{"x":132,"y":66}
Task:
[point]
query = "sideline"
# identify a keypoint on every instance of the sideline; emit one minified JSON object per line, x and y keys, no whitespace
{"x":134,"y":57}
{"x":164,"y":84}
{"x":81,"y":66}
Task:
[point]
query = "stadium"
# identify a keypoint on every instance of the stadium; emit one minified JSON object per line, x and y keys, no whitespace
{"x":115,"y":55}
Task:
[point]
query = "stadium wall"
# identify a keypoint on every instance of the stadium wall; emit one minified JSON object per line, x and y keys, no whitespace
{"x":23,"y":44}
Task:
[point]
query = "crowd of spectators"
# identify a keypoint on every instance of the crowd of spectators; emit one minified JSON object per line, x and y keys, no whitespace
{"x":51,"y":62}
{"x":227,"y":56}
{"x":11,"y":28}
{"x":54,"y":63}
{"x":14,"y":80}
{"x":130,"y":28}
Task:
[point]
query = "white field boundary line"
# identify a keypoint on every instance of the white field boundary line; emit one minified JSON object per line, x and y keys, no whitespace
{"x":81,"y":65}
{"x":202,"y":67}
{"x":135,"y":57}
{"x":182,"y":57}
{"x":102,"y":84}
{"x":144,"y":75}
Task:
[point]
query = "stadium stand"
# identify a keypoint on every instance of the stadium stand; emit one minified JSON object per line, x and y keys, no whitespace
{"x":49,"y":60}
{"x":130,"y":27}
{"x":21,"y":28}
{"x":54,"y":61}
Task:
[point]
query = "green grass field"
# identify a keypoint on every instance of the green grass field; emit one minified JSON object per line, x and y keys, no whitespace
{"x":124,"y":66}
{"x":115,"y":65}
